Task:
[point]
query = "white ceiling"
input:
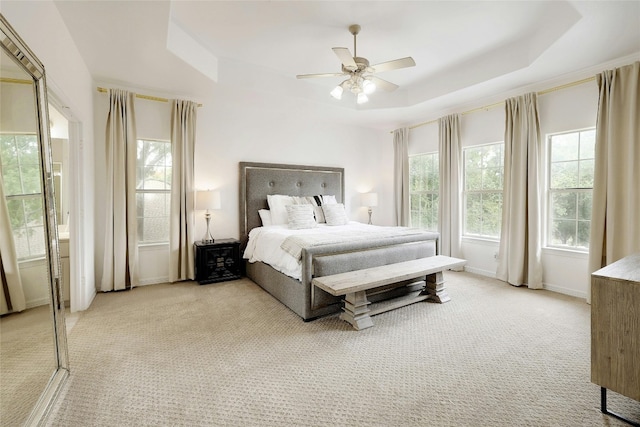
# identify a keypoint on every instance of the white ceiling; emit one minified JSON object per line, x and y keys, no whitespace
{"x":464,"y":50}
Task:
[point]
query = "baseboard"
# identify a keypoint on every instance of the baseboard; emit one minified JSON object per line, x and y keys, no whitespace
{"x":547,"y":286}
{"x":36,"y":302}
{"x":480,"y":271}
{"x":565,"y":291}
{"x":153,"y":281}
{"x":92,"y":296}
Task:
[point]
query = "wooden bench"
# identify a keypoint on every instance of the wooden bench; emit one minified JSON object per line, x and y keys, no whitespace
{"x":355,"y":284}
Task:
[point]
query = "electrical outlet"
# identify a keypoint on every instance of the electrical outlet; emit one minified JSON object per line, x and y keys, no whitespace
{"x":495,"y":255}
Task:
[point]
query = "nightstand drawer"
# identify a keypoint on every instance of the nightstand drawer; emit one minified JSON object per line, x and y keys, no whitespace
{"x":217,"y":261}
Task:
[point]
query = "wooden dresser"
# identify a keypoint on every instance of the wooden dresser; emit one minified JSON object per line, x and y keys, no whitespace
{"x":615,"y":328}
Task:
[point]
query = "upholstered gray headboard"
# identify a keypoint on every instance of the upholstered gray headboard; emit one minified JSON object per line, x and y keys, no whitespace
{"x":257,"y":180}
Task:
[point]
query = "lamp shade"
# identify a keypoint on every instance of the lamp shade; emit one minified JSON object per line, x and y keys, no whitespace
{"x":369,"y":199}
{"x":208,"y":199}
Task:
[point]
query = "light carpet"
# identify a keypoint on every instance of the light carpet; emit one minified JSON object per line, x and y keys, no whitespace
{"x":229,"y":354}
{"x":27,"y":362}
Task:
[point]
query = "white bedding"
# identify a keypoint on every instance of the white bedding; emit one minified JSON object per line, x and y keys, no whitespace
{"x":266,"y":243}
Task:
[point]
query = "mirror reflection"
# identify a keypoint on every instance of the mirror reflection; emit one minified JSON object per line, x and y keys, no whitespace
{"x":27,"y":356}
{"x":59,"y":129}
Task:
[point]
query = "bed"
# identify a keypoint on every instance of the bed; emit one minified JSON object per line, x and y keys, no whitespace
{"x":259,"y":180}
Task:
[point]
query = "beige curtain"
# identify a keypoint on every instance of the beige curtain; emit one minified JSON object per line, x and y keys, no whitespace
{"x":121,"y":234}
{"x":450,"y":191}
{"x":401,"y":175}
{"x":615,"y":223}
{"x":11,"y":295}
{"x":520,"y":240}
{"x":183,"y":139}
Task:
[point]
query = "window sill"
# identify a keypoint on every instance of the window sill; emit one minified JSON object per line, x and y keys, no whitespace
{"x":569,"y":253}
{"x":152,"y":246}
{"x":481,"y":240}
{"x":26,"y":262}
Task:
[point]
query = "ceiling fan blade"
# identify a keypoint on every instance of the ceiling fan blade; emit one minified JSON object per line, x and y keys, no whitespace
{"x":345,"y":57}
{"x":310,"y":76}
{"x":383,"y":84}
{"x":394,"y":65}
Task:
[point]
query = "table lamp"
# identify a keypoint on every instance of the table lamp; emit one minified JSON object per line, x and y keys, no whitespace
{"x":205,"y":201}
{"x":369,"y":200}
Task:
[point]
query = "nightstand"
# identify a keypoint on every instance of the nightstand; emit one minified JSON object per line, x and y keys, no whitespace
{"x":217,"y":261}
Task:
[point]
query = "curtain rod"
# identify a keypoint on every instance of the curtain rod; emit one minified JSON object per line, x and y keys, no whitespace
{"x":18,"y":81}
{"x":147,"y":97}
{"x":497,"y":104}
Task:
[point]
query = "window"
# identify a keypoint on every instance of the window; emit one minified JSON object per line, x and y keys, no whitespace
{"x":153,"y":190}
{"x":483,"y":178}
{"x":571,"y":163}
{"x":423,"y":191}
{"x":20,"y":167}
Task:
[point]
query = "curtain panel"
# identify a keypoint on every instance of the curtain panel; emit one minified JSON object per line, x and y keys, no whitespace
{"x":615,"y":227}
{"x":183,"y":137}
{"x":520,"y":260}
{"x":12,"y":297}
{"x":449,"y":196}
{"x":121,"y":235}
{"x":401,"y":176}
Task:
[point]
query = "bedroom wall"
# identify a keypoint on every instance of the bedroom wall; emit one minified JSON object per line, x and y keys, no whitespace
{"x":39,"y":24}
{"x":240,"y":125}
{"x":237,"y":125}
{"x":567,"y":109}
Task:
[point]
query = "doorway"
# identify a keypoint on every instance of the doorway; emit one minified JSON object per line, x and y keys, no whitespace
{"x":66,"y":137}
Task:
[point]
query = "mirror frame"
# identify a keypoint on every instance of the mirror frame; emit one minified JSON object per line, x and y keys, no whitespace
{"x":14,"y":46}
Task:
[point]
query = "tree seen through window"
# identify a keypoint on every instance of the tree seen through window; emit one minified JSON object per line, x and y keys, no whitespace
{"x":483,"y":183}
{"x":423,"y":190}
{"x":21,"y":180}
{"x":571,"y":168}
{"x":153,"y":190}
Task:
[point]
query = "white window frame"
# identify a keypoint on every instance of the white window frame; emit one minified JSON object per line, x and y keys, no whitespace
{"x":551,"y":191}
{"x":151,"y":191}
{"x":482,"y":192}
{"x":428,"y":193}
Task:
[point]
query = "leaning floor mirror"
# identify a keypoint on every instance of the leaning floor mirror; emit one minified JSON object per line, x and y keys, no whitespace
{"x":33,"y":346}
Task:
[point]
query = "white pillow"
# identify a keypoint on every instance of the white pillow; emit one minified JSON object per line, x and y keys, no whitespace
{"x":335,"y":214}
{"x":277,"y":203}
{"x":265,"y":217}
{"x":302,"y":200}
{"x":300,"y":216}
{"x":329,"y":200}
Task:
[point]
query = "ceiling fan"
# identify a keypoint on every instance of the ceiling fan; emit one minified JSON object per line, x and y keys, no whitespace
{"x":361,"y":79}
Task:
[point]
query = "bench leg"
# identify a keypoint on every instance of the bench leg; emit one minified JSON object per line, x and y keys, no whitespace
{"x":356,"y":310}
{"x":435,"y":288}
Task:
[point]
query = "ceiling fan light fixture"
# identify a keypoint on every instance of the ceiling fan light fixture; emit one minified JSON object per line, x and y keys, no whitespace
{"x":360,"y":80}
{"x":368,"y":87}
{"x":337,"y":92}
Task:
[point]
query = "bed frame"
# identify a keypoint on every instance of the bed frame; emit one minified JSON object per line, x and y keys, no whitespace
{"x":257,"y":180}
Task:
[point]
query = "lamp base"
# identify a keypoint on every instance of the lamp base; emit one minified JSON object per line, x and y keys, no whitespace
{"x":208,"y":238}
{"x":370,"y":211}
